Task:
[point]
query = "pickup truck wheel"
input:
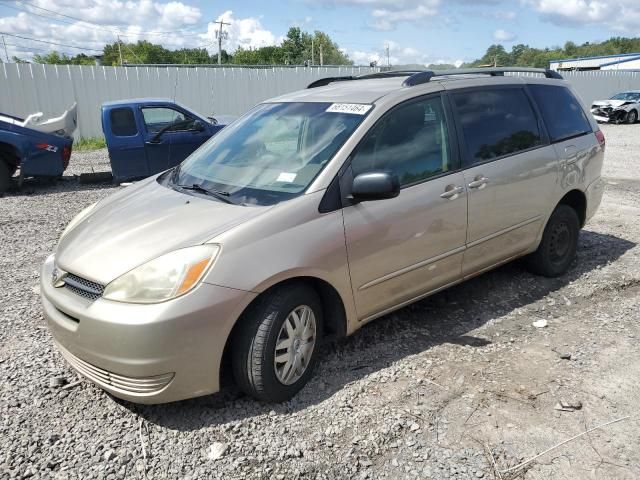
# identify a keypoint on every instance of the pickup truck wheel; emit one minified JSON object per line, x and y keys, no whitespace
{"x":632,"y":117}
{"x":276,"y":346}
{"x":5,"y":176}
{"x":559,"y":244}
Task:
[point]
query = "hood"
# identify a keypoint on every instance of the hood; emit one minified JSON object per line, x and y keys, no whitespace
{"x":140,"y":223}
{"x":610,"y":103}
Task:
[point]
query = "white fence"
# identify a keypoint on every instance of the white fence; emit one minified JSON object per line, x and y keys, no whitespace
{"x":29,"y":88}
{"x":51,"y":89}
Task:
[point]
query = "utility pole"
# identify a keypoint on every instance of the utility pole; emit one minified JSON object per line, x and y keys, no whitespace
{"x":388,"y":61}
{"x":120,"y":49}
{"x":321,"y":57}
{"x":5,"y":49}
{"x":221,"y":34}
{"x":312,"y":39}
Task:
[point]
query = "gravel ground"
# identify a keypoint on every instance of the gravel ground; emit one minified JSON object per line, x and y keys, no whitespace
{"x":458,"y":386}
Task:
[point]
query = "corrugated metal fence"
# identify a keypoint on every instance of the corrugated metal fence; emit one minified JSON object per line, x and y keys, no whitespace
{"x":51,"y":89}
{"x":27,"y":88}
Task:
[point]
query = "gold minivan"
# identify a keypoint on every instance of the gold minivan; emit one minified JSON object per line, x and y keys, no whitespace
{"x":313,"y":214}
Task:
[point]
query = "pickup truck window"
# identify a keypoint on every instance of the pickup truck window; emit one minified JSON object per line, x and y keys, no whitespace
{"x":157,"y":118}
{"x":271,"y":154}
{"x":123,"y":123}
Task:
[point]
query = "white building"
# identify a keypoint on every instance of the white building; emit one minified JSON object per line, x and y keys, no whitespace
{"x":623,"y":61}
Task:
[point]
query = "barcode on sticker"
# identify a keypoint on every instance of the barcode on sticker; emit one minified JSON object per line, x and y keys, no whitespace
{"x":355,"y":108}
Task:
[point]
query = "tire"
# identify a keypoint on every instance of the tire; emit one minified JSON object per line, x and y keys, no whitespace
{"x":632,"y":117}
{"x":559,"y":243}
{"x":262,"y":327}
{"x":5,"y":176}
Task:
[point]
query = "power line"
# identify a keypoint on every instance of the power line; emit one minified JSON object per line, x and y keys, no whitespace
{"x":100,"y":27}
{"x":50,"y":43}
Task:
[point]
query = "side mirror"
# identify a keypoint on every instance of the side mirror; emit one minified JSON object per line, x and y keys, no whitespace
{"x":375,"y":185}
{"x":198,"y":126}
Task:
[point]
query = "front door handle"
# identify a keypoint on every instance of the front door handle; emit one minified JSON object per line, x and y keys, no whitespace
{"x":451,"y":192}
{"x":479,"y":182}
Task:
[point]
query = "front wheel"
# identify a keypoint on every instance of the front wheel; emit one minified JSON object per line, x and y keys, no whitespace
{"x":275,"y":347}
{"x":632,"y":117}
{"x":559,"y":244}
{"x":5,"y":176}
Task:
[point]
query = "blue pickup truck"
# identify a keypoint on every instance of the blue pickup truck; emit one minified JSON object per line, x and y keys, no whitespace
{"x":35,"y":147}
{"x":149,"y":135}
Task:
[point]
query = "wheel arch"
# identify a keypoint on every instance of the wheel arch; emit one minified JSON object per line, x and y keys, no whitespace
{"x":577,"y":200}
{"x":10,"y":152}
{"x":333,"y":308}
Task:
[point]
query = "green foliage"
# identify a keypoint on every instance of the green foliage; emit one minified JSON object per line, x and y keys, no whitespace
{"x":297,"y":48}
{"x":57,"y":59}
{"x":526,"y":56}
{"x":86,"y":144}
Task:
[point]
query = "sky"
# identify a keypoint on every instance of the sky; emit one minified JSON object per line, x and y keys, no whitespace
{"x":415,"y":31}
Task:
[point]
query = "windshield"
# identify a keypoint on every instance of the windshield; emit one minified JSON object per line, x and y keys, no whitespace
{"x":271,"y":154}
{"x":628,"y":96}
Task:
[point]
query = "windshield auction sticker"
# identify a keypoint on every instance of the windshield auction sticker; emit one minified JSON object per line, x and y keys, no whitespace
{"x":354,"y":108}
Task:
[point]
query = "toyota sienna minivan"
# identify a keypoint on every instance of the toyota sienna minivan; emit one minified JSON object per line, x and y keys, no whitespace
{"x":313,"y":214}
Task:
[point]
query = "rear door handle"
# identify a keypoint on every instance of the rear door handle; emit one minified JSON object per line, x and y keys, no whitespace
{"x":479,"y":182}
{"x":451,"y":192}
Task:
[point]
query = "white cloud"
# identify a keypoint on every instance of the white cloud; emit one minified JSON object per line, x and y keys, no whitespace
{"x":505,"y":15}
{"x":101,"y":22}
{"x":387,"y":14}
{"x":242,"y":32}
{"x":501,"y":35}
{"x":619,"y":15}
{"x":398,"y":55}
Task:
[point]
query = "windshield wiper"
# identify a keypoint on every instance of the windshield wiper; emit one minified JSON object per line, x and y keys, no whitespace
{"x":220,"y":195}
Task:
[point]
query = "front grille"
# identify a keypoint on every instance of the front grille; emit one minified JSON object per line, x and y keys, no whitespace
{"x":83,"y":287}
{"x":130,"y":385}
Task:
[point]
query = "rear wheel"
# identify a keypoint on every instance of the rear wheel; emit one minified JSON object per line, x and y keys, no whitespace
{"x":632,"y":117}
{"x":559,"y":244}
{"x":275,"y":347}
{"x":6,"y":173}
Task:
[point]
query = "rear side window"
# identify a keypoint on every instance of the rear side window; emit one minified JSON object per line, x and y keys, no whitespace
{"x":123,"y":123}
{"x":496,"y":122}
{"x":561,"y":111}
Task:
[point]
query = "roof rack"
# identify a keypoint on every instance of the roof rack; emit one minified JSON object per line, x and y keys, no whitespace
{"x":418,"y":77}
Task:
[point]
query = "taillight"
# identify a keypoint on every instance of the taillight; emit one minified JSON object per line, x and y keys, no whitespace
{"x":66,"y":155}
{"x":600,"y":137}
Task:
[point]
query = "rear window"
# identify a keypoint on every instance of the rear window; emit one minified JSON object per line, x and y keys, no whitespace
{"x":561,"y":111}
{"x":496,"y":122}
{"x":123,"y":123}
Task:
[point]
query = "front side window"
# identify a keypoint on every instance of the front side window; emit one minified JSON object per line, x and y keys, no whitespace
{"x":411,"y":141}
{"x":561,"y":111}
{"x":271,"y":154}
{"x":167,"y":119}
{"x":496,"y":122}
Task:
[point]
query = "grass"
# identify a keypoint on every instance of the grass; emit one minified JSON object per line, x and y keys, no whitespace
{"x":88,"y":144}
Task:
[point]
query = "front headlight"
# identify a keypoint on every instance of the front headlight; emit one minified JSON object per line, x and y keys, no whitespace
{"x":163,"y":278}
{"x":77,"y":219}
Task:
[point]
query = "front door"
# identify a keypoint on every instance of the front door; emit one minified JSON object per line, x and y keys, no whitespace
{"x":404,"y":247}
{"x":511,"y":173}
{"x":170,"y":136}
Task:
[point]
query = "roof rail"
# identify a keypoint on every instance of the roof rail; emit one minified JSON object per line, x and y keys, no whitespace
{"x":425,"y":76}
{"x":387,"y":74}
{"x":418,"y":77}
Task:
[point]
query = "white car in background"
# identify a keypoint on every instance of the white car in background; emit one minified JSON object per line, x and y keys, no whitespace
{"x":623,"y":107}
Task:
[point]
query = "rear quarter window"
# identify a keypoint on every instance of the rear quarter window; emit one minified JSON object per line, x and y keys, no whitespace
{"x":496,"y":122}
{"x":123,"y":123}
{"x":561,"y":111}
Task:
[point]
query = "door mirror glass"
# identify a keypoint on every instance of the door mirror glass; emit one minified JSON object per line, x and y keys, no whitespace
{"x":198,"y":126}
{"x":375,"y":185}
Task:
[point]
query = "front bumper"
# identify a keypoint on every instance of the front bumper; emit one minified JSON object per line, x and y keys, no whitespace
{"x":609,"y":115}
{"x":145,"y":353}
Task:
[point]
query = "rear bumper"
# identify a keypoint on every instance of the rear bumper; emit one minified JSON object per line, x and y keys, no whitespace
{"x":145,"y":353}
{"x":594,"y":194}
